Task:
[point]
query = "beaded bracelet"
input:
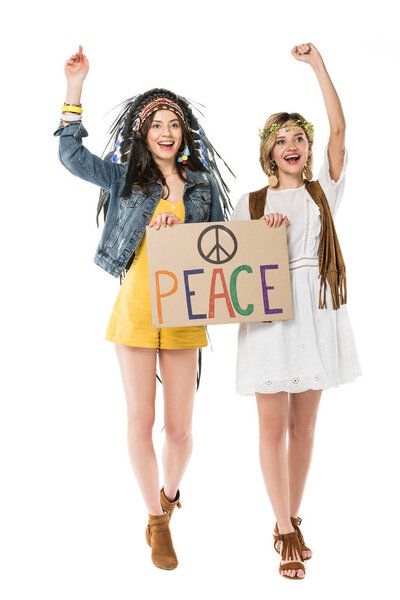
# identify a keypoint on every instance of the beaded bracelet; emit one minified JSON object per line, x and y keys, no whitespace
{"x":72,"y":108}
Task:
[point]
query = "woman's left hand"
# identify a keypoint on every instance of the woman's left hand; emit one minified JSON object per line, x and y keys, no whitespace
{"x":164,"y":219}
{"x":307,"y":53}
{"x":275,"y":219}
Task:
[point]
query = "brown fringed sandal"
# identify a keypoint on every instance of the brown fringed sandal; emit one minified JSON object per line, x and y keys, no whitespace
{"x":290,"y":549}
{"x":167,"y":505}
{"x":296,"y":521}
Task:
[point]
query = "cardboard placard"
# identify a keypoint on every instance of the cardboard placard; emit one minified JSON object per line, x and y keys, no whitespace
{"x":209,"y":273}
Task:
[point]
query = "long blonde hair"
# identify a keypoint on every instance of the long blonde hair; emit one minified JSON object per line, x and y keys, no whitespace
{"x":268,"y":143}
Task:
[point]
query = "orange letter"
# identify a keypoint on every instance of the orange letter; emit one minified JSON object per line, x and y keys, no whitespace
{"x":213,"y":295}
{"x":159,"y":296}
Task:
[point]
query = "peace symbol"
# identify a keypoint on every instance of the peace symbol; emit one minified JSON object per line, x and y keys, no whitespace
{"x":212,"y":249}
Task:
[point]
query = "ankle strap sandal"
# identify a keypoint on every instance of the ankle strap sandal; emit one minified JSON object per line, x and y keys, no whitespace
{"x":290,"y":548}
{"x":296,"y":521}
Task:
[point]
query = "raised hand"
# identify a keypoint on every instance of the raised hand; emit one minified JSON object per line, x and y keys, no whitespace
{"x":336,"y":147}
{"x":76,"y":67}
{"x":307,"y":53}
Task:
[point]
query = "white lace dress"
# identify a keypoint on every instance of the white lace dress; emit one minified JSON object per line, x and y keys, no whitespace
{"x":315,"y":350}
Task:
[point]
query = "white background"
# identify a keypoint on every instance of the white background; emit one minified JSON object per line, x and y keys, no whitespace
{"x":72,"y":518}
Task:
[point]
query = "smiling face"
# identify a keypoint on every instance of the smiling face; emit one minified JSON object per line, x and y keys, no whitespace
{"x":164,"y":136}
{"x":291,"y":150}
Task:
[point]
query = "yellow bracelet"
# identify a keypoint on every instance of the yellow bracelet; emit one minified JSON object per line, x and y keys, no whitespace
{"x":71,"y":108}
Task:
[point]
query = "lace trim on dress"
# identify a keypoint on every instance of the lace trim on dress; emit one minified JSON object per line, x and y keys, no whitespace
{"x":310,"y":381}
{"x":301,"y":267}
{"x":303,"y":258}
{"x":314,"y":229}
{"x":307,"y":225}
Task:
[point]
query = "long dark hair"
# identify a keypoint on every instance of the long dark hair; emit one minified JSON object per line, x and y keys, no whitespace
{"x":145,"y":170}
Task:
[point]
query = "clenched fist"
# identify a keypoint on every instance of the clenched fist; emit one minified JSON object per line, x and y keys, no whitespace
{"x":307,"y":53}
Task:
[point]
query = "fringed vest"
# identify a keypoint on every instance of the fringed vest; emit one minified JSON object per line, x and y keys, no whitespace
{"x":332,"y":269}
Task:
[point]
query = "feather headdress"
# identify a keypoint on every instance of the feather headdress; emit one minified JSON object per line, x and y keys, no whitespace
{"x":126,"y":141}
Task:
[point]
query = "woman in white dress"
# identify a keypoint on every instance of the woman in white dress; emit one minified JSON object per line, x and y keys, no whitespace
{"x":287,"y":364}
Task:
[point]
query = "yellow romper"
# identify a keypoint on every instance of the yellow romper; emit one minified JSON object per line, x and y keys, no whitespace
{"x":131,"y":322}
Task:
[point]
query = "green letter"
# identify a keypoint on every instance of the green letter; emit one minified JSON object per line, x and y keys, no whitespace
{"x":250,"y":307}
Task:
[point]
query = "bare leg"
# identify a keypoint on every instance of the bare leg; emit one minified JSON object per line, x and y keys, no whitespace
{"x":138,"y":370}
{"x":178,"y":371}
{"x":303,"y":409}
{"x":273,"y":413}
{"x":273,"y":423}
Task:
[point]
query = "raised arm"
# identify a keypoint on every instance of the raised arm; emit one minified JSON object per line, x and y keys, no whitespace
{"x":73,"y":154}
{"x":76,"y":68}
{"x":308,"y":53}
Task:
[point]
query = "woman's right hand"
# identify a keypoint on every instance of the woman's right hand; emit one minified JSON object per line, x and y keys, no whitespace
{"x":274,"y":219}
{"x":164,"y":219}
{"x":77,"y":67}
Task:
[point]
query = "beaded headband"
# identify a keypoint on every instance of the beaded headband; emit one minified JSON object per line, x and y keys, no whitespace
{"x":153,"y":106}
{"x":306,"y":125}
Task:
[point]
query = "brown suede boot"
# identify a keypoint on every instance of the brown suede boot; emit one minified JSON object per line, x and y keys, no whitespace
{"x":167,"y":505}
{"x":158,"y":537}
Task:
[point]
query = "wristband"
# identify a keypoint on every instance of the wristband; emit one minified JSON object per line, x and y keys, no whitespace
{"x":70,"y":118}
{"x":72,"y":108}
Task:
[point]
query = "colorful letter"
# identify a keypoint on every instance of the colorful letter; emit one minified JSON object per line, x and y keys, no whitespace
{"x":191,"y":293}
{"x":265,"y":288}
{"x":233,"y":289}
{"x":159,"y":296}
{"x":224,"y":294}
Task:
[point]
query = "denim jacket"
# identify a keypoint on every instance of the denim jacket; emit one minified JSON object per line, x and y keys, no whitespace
{"x":127,"y":218}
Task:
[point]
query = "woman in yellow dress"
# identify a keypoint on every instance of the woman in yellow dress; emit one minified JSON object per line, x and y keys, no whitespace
{"x":161,"y":173}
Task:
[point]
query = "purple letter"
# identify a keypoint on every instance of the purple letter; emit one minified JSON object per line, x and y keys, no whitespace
{"x":265,"y":288}
{"x":191,"y":293}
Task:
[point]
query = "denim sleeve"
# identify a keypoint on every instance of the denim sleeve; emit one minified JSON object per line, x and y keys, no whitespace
{"x":82,"y":163}
{"x":216,"y":212}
